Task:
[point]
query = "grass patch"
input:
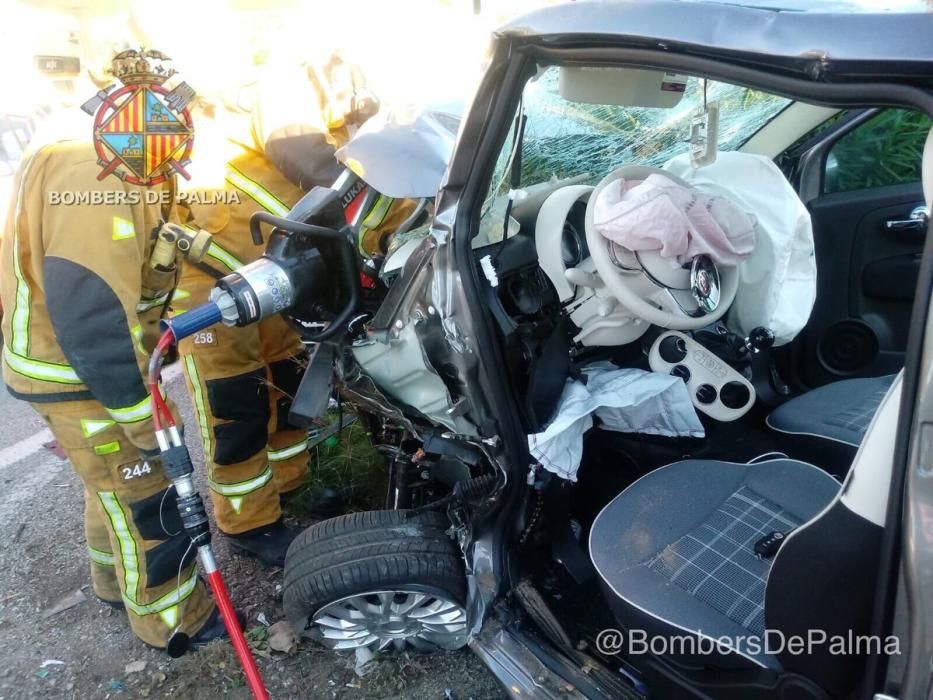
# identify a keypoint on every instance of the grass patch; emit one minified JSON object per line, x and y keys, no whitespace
{"x":346,"y":475}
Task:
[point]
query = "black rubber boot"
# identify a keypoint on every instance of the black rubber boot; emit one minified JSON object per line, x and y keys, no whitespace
{"x":180,"y":644}
{"x":213,"y":629}
{"x":115,"y":604}
{"x":268,"y":544}
{"x":210,"y":630}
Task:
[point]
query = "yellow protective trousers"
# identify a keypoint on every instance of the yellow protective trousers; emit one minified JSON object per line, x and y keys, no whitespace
{"x":139,"y":554}
{"x":242,"y":381}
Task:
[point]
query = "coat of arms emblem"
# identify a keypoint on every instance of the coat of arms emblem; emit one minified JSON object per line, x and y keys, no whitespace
{"x":143,"y":132}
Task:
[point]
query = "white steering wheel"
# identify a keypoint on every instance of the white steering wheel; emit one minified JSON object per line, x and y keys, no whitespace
{"x":636,"y":285}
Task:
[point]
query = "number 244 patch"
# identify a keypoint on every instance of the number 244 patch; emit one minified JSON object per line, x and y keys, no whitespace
{"x":135,"y":470}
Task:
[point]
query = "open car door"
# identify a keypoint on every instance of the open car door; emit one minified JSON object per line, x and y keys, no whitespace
{"x":860,"y":178}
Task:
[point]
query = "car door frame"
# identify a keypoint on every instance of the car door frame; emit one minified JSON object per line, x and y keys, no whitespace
{"x":459,"y":203}
{"x":906,"y":563}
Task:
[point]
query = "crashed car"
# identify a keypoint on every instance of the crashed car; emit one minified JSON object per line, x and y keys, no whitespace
{"x":657,"y":375}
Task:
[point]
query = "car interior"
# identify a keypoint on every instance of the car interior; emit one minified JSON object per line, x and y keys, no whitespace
{"x":751,"y":495}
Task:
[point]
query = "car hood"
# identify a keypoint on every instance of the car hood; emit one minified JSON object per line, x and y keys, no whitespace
{"x":403,"y":152}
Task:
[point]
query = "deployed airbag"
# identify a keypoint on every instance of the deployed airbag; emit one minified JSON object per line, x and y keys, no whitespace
{"x":624,"y":400}
{"x":679,"y":222}
{"x":777,"y":283}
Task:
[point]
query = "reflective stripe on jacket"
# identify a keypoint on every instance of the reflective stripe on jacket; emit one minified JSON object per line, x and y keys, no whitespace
{"x":251,"y":184}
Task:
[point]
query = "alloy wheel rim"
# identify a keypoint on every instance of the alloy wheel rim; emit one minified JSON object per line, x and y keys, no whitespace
{"x":391,"y":619}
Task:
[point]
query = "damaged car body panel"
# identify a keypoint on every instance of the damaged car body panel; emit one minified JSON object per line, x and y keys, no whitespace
{"x":407,"y":334}
{"x":839,"y":43}
{"x":421,"y":326}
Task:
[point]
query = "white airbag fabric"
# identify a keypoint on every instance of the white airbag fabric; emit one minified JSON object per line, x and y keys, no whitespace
{"x":679,"y":222}
{"x":624,"y":400}
{"x":777,"y":283}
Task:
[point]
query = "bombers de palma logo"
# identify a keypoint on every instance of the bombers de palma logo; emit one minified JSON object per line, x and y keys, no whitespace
{"x":143,"y":133}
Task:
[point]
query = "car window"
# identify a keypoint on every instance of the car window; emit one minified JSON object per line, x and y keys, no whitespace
{"x":564,"y":139}
{"x":10,"y":150}
{"x":14,"y":135}
{"x":885,"y":150}
{"x":567,"y":139}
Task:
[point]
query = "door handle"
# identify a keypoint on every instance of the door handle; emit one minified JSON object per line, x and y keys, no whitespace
{"x":917,"y":221}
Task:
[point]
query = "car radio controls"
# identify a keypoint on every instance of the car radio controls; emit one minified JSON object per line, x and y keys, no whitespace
{"x":673,"y":349}
{"x":681,"y":371}
{"x":714,"y":387}
{"x":706,"y":393}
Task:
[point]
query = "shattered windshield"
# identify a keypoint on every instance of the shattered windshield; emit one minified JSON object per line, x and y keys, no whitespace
{"x":564,"y":139}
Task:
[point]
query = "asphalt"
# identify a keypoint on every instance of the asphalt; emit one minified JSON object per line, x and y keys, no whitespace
{"x":19,"y":431}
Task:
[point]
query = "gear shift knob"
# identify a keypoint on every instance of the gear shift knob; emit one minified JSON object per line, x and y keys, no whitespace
{"x":759,"y":338}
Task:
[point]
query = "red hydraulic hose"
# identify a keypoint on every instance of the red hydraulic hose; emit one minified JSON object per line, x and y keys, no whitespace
{"x":159,"y":407}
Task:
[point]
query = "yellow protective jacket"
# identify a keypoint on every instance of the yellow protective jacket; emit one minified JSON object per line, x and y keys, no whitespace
{"x":81,"y":302}
{"x":250,"y":184}
{"x":264,"y":161}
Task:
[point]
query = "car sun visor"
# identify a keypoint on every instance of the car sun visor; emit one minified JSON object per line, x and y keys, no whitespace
{"x":628,"y":87}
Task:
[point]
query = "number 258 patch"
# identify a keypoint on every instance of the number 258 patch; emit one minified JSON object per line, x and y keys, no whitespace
{"x":205,"y":338}
{"x":134,"y":471}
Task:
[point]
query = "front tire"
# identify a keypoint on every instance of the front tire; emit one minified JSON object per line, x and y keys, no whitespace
{"x":378,"y":580}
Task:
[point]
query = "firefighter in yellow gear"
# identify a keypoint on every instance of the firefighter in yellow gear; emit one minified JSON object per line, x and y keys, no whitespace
{"x":82,"y":307}
{"x":241,"y":380}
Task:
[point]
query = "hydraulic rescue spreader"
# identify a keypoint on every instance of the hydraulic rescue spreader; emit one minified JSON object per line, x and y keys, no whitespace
{"x":307,"y":271}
